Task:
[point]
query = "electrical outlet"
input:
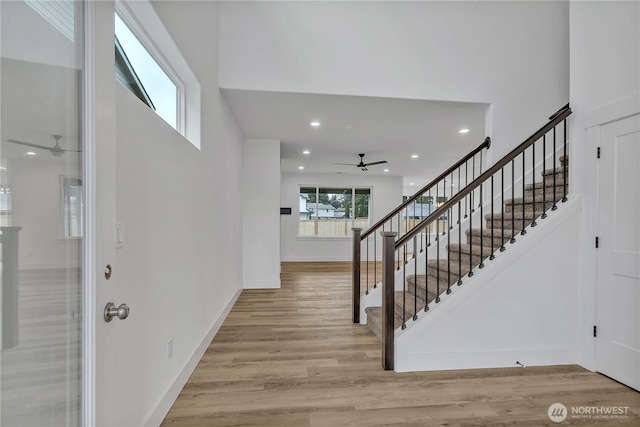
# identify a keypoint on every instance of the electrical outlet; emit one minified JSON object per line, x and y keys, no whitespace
{"x":170,"y":348}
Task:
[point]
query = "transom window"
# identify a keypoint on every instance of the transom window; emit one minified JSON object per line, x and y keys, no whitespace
{"x":332,"y":212}
{"x":139,"y":72}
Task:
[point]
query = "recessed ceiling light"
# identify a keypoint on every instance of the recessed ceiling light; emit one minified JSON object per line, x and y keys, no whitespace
{"x":300,"y":167}
{"x":2,"y":168}
{"x":306,"y":152}
{"x":315,"y":123}
{"x":30,"y":153}
{"x":385,"y":170}
{"x":411,"y":183}
{"x":414,"y":156}
{"x":464,"y":130}
{"x":349,"y":126}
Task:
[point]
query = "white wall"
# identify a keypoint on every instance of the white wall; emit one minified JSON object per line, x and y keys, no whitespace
{"x":521,"y":307}
{"x":510,"y":54}
{"x":261,"y":213}
{"x":605,"y":85}
{"x":386,"y":195}
{"x":181,"y":264}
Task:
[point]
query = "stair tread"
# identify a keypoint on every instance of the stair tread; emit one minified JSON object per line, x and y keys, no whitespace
{"x":486,"y":232}
{"x":510,"y":216}
{"x":547,"y":183}
{"x":466,"y":248}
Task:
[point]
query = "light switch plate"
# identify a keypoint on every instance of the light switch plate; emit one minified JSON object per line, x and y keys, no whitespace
{"x":119,"y":234}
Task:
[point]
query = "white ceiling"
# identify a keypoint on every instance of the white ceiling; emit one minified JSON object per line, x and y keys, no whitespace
{"x":382,"y":128}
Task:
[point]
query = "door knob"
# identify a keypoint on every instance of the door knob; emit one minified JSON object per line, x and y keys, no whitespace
{"x":111,"y":311}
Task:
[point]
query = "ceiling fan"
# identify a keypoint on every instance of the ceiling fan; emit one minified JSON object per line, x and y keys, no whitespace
{"x":362,"y":165}
{"x":56,"y":150}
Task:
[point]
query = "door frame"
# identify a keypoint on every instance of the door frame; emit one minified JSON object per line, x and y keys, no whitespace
{"x":99,"y":176}
{"x":88,"y":376}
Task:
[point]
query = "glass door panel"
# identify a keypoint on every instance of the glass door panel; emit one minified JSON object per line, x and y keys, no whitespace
{"x":41,"y":212}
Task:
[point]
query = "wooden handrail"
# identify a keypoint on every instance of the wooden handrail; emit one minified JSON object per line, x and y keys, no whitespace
{"x":485,"y":144}
{"x":555,"y":119}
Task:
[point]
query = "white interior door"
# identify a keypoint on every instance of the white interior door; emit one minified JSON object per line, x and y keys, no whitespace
{"x":41,"y":212}
{"x":618,"y":301}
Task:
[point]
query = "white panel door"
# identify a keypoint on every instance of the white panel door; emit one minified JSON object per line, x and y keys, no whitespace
{"x":618,"y":300}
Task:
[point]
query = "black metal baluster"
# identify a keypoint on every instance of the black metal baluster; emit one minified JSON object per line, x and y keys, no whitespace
{"x":524,"y":199}
{"x":421,"y":218}
{"x":565,"y":164}
{"x":555,"y":206}
{"x":448,"y":255}
{"x":404,"y":288}
{"x":502,"y":208}
{"x":451,"y":195}
{"x":459,"y":191}
{"x":533,"y":183}
{"x":438,"y":260}
{"x":367,"y":273}
{"x":399,"y":230}
{"x":480,"y":173}
{"x":493,"y":242}
{"x":430,"y":225}
{"x":470,"y":253}
{"x":415,"y":283}
{"x":375,"y":259}
{"x":473,"y":177}
{"x":466,"y":183}
{"x":426,"y":282}
{"x":544,"y":178}
{"x":460,"y":245}
{"x":513,"y":203}
{"x":481,"y":229}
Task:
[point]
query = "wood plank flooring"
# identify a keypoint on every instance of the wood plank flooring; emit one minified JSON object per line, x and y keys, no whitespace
{"x":291,"y":357}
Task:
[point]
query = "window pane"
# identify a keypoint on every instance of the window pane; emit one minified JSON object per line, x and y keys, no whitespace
{"x":307,"y":209}
{"x":72,"y":207}
{"x":362,"y":208}
{"x":159,"y":87}
{"x":335,"y":210}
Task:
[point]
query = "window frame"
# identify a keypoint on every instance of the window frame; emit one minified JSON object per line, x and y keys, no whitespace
{"x":354,"y":189}
{"x":142,"y":20}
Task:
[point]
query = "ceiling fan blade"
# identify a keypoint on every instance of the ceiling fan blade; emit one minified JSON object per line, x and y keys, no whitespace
{"x":376,"y":163}
{"x":28,"y":144}
{"x":346,"y":164}
{"x":71,"y":151}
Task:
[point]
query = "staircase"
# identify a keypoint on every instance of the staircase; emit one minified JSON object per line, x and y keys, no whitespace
{"x":481,"y":243}
{"x":473,"y":214}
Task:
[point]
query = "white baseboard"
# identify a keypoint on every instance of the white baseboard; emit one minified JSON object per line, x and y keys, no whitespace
{"x":314,"y":258}
{"x":490,"y":359}
{"x":161,"y":411}
{"x":262,"y":284}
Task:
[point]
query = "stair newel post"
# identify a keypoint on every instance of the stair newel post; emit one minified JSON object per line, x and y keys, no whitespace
{"x":388,"y":289}
{"x":355,"y":277}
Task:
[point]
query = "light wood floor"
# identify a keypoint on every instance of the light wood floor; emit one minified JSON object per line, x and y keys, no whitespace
{"x":291,"y":357}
